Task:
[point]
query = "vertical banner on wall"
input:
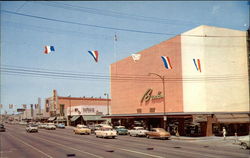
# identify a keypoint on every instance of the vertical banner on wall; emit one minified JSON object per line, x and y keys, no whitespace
{"x":54,"y":102}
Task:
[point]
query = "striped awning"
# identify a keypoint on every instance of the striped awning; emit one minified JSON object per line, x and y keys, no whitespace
{"x":74,"y":118}
{"x":51,"y":118}
{"x":93,"y":118}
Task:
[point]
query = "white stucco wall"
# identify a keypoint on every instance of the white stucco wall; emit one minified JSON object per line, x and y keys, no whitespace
{"x":222,"y":86}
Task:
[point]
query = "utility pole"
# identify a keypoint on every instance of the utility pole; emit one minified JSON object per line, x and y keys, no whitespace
{"x":106,"y":94}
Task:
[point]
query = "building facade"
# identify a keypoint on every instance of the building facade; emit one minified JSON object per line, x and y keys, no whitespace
{"x":205,"y":87}
{"x":77,"y":110}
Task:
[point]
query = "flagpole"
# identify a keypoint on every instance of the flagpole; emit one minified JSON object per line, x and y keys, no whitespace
{"x":115,"y":39}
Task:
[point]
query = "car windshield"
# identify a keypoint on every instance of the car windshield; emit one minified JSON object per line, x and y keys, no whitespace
{"x":160,"y":130}
{"x":33,"y":125}
{"x":107,"y":129}
{"x":81,"y":126}
{"x":120,"y":127}
{"x":139,"y":128}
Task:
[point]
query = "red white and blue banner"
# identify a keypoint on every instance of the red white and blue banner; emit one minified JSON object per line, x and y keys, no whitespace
{"x":49,"y":49}
{"x":166,"y":62}
{"x":197,"y":64}
{"x":94,"y":54}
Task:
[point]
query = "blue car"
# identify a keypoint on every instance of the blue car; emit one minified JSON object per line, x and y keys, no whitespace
{"x":60,"y":125}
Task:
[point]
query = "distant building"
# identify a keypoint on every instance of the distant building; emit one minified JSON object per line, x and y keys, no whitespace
{"x":77,"y":110}
{"x":206,"y":84}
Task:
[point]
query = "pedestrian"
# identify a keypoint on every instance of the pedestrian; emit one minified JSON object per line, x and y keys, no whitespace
{"x":224,"y":132}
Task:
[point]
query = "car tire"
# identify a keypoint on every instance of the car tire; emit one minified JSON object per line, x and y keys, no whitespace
{"x":243,"y":146}
{"x":148,"y":136}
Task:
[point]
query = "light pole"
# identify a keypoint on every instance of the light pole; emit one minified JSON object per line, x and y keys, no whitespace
{"x":106,"y":94}
{"x":164,"y":104}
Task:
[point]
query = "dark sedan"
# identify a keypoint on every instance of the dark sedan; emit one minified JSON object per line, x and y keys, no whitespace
{"x":2,"y":129}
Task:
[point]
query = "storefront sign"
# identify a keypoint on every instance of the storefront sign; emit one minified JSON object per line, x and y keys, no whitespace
{"x":199,"y":118}
{"x":148,"y":95}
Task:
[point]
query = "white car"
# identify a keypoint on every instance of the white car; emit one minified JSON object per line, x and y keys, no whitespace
{"x":245,"y":142}
{"x":50,"y":126}
{"x":106,"y":132}
{"x":31,"y":128}
{"x":137,"y":131}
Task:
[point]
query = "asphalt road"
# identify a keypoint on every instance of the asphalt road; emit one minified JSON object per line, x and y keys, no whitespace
{"x":63,"y":143}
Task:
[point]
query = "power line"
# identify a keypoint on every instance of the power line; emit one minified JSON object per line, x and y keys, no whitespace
{"x":141,"y":78}
{"x":104,"y":27}
{"x":115,"y":14}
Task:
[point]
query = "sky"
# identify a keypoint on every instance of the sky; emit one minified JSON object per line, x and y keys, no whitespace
{"x":76,"y":27}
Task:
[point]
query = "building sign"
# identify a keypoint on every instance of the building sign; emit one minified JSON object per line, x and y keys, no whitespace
{"x":87,"y":110}
{"x":148,"y":95}
{"x":199,"y":118}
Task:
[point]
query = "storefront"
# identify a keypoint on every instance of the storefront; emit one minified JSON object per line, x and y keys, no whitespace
{"x":77,"y":110}
{"x":185,"y":80}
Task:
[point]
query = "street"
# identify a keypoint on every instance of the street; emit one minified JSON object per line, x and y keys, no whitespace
{"x":60,"y":143}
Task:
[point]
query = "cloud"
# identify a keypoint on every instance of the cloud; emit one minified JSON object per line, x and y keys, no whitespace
{"x":215,"y":9}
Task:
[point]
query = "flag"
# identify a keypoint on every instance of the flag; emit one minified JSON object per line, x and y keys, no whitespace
{"x":166,"y":62}
{"x":94,"y":54}
{"x":197,"y":64}
{"x":136,"y":57}
{"x":49,"y":49}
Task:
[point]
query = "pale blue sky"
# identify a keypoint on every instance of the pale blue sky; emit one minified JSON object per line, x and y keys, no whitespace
{"x":23,"y":39}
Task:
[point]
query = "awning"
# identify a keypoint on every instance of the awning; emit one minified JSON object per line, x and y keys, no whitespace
{"x":93,"y":118}
{"x":61,"y":118}
{"x":233,"y":118}
{"x":51,"y":118}
{"x":74,"y":118}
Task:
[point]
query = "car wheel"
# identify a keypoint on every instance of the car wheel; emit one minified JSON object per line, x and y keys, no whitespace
{"x":148,"y":136}
{"x":244,"y":146}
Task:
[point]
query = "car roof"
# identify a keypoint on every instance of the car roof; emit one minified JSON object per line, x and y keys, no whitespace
{"x":138,"y":127}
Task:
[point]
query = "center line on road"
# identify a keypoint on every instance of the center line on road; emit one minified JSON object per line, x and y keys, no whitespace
{"x":113,"y":146}
{"x":30,"y":146}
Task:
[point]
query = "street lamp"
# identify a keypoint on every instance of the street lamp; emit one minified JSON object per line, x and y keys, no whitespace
{"x":106,"y":94}
{"x":164,"y":104}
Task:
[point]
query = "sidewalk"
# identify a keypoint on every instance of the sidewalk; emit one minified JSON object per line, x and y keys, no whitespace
{"x":229,"y":138}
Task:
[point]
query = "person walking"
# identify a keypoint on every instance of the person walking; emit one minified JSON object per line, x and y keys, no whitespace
{"x":224,"y":132}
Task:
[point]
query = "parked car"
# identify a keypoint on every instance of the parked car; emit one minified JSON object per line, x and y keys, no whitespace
{"x":95,"y":127}
{"x":42,"y":125}
{"x":2,"y":128}
{"x":50,"y":126}
{"x":158,"y":133}
{"x":106,"y":132}
{"x":121,"y":130}
{"x":82,"y":129}
{"x":60,"y":125}
{"x":245,"y":142}
{"x":137,"y":131}
{"x":32,"y":128}
{"x":23,"y":123}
